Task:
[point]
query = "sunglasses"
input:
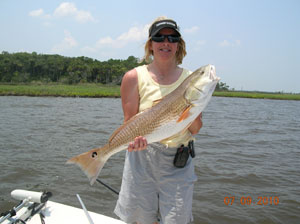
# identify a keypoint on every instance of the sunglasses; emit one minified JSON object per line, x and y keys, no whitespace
{"x":161,"y":38}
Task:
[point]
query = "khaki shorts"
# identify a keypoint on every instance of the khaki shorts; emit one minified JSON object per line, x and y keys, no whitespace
{"x":152,"y":188}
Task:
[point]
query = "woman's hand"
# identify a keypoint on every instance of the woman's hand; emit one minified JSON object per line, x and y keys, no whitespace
{"x":139,"y":143}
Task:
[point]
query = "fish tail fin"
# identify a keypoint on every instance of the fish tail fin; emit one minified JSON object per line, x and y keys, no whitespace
{"x":91,"y":162}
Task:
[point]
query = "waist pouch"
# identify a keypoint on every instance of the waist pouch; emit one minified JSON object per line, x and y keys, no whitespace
{"x":183,"y":153}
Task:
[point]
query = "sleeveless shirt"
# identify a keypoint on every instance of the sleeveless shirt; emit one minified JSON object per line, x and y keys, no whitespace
{"x":150,"y":91}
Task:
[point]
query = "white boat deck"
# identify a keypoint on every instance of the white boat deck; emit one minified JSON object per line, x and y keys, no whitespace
{"x":56,"y":213}
{"x":52,"y":212}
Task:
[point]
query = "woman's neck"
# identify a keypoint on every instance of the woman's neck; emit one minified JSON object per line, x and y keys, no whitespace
{"x":164,"y":73}
{"x":164,"y":68}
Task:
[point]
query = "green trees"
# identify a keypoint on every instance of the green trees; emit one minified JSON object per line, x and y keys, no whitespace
{"x":28,"y":67}
{"x":222,"y":86}
{"x":32,"y":67}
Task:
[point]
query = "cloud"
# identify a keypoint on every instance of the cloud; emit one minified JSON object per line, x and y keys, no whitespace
{"x":191,"y":30}
{"x":39,"y":13}
{"x":36,"y":13}
{"x":68,"y":9}
{"x":66,"y":44}
{"x":134,"y":34}
{"x":65,"y":9}
{"x":107,"y":45}
{"x":230,"y":43}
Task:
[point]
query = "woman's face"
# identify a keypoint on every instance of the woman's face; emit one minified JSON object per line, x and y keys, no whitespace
{"x":164,"y":50}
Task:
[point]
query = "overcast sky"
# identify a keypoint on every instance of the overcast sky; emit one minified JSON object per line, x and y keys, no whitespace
{"x":254,"y":44}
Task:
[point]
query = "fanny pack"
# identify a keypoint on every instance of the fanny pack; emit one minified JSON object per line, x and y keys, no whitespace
{"x":183,"y":153}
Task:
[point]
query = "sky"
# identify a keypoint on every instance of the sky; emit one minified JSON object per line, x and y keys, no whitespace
{"x":254,"y":44}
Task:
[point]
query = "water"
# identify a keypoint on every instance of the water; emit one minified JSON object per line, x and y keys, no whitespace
{"x":246,"y":148}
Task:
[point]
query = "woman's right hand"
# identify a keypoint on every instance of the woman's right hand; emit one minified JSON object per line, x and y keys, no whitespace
{"x":139,"y":143}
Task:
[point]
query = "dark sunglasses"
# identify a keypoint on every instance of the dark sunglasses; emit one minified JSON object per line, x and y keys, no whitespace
{"x":161,"y":38}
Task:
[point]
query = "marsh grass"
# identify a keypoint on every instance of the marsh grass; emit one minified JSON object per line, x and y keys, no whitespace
{"x":99,"y":90}
{"x":80,"y":90}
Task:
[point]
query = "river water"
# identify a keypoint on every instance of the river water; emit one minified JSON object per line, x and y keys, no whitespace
{"x":247,"y":149}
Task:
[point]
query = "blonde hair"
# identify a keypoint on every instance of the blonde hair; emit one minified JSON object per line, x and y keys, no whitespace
{"x":180,"y":53}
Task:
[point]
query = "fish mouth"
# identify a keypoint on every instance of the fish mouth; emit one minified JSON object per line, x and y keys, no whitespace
{"x":212,"y":74}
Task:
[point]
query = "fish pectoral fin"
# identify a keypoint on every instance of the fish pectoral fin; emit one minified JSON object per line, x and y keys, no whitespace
{"x":185,"y":114}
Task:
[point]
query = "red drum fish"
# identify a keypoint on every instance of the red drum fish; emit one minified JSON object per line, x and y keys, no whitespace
{"x":171,"y":115}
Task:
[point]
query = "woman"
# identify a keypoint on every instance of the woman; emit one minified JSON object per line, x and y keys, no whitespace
{"x":152,"y":187}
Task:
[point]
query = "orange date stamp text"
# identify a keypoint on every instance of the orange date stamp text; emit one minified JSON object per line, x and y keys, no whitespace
{"x":261,"y":200}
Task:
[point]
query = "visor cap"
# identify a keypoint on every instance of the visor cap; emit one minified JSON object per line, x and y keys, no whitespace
{"x":166,"y":23}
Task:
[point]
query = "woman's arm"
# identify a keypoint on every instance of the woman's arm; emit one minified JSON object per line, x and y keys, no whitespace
{"x":130,"y":104}
{"x":196,"y":125}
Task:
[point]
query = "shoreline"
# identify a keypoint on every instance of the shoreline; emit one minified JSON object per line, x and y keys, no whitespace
{"x":92,"y":90}
{"x":258,"y":95}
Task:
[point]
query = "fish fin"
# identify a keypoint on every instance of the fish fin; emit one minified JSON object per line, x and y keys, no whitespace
{"x":91,"y":162}
{"x":185,"y":114}
{"x":116,"y":132}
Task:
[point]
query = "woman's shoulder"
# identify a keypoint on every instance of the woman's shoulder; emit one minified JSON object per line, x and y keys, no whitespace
{"x":133,"y":73}
{"x":130,"y":76}
{"x":129,"y":83}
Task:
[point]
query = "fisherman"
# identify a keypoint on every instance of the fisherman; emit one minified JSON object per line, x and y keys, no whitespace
{"x":157,"y":182}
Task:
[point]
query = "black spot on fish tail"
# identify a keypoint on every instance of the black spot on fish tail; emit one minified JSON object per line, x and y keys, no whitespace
{"x":94,"y":154}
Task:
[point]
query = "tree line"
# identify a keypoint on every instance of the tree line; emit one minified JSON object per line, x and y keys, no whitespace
{"x":30,"y":67}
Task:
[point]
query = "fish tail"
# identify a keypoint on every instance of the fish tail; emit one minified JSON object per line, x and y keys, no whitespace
{"x":91,"y":162}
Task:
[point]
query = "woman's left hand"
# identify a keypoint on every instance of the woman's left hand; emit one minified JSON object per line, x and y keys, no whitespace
{"x":139,"y":143}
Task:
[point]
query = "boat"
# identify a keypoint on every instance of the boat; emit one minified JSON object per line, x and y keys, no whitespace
{"x":36,"y":208}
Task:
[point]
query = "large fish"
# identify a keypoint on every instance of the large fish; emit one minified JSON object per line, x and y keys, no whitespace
{"x":173,"y":114}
